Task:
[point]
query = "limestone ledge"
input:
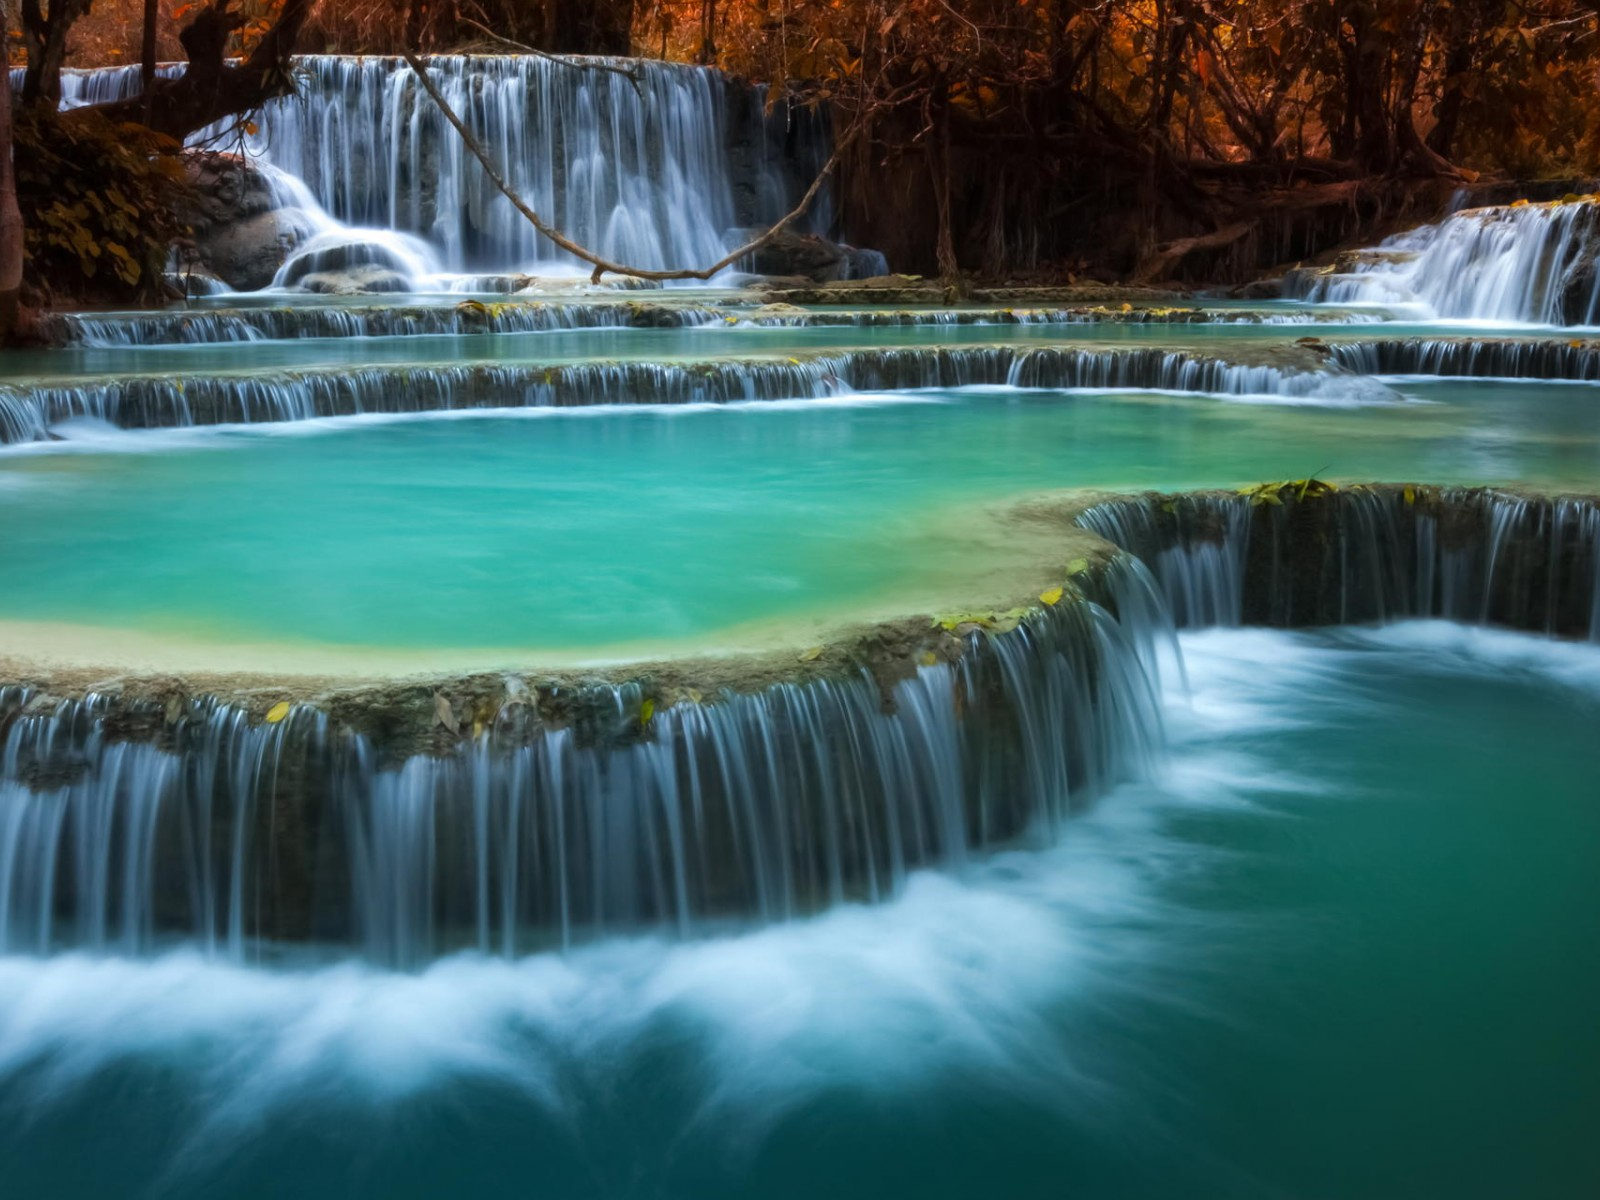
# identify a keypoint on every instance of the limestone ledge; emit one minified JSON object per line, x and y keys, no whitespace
{"x":437,"y":712}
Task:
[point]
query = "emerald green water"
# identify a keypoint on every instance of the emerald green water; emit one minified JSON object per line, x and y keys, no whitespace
{"x":580,"y":528}
{"x":1347,"y":944}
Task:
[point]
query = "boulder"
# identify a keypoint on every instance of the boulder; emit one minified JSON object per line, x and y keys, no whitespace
{"x":364,"y":262}
{"x":356,"y":281}
{"x":806,"y":254}
{"x":243,"y":231}
{"x":246,"y":254}
{"x":810,"y":257}
{"x":226,"y":188}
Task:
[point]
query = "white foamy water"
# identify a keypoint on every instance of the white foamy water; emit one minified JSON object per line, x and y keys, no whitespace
{"x":1076,"y":983}
{"x":1492,"y":266}
{"x":964,"y":970}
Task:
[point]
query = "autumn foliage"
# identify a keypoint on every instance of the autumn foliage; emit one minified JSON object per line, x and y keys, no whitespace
{"x":1145,"y":136}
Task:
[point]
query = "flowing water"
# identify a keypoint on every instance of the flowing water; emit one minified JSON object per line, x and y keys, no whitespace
{"x":591,"y":527}
{"x":669,"y":900}
{"x":1343,"y":944}
{"x":651,"y":164}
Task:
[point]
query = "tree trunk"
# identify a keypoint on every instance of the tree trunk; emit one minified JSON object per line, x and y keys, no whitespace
{"x":44,"y":35}
{"x":11,"y":249}
{"x":211,"y":87}
{"x":147,"y":55}
{"x":939,"y":167}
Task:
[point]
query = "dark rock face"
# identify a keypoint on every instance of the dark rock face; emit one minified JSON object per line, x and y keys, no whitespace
{"x":246,"y":254}
{"x":1580,"y":287}
{"x":228,"y":188}
{"x":807,"y":255}
{"x":241,"y":234}
{"x":811,"y":257}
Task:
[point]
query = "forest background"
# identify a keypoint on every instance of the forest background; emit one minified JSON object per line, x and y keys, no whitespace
{"x":1141,"y":140}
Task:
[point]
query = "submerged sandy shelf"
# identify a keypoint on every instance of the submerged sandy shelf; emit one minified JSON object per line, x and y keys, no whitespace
{"x":1313,"y":568}
{"x":1011,"y":553}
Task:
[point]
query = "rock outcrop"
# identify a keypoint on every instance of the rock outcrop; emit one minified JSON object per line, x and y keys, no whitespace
{"x":242,"y":232}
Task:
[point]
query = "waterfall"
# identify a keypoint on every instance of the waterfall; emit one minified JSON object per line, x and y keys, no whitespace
{"x":27,"y":411}
{"x":123,"y":823}
{"x":1524,"y":262}
{"x":1492,"y":358}
{"x":288,"y":322}
{"x":1368,"y":554}
{"x":652,"y":164}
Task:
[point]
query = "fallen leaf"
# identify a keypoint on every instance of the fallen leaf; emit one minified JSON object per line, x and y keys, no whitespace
{"x":811,"y":655}
{"x":445,"y":714}
{"x":277,"y":712}
{"x":1051,"y":595}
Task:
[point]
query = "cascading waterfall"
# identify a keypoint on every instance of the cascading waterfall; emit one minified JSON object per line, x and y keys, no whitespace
{"x":1373,"y":554}
{"x":27,"y":412}
{"x":1490,"y":358}
{"x":1525,"y":262}
{"x":572,"y":813}
{"x":652,"y":164}
{"x":292,"y":322}
{"x":122,"y":824}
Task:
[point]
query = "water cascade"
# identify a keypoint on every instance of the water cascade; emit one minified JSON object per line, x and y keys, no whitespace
{"x":1368,"y":554}
{"x":572,"y":813}
{"x":653,"y":164}
{"x":288,"y":322}
{"x":1477,"y":358}
{"x":1526,"y":262}
{"x":868,"y":794}
{"x":27,"y":412}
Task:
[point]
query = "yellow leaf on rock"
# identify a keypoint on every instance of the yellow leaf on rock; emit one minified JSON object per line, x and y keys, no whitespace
{"x":1077,"y":566}
{"x":1051,"y":596}
{"x":1410,"y":494}
{"x":277,"y":712}
{"x":811,"y":655}
{"x":444,"y":713}
{"x":646,"y":711}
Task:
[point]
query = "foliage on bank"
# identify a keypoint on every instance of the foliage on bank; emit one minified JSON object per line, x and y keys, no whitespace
{"x":102,"y":204}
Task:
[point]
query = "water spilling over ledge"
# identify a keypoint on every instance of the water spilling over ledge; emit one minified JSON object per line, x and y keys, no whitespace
{"x":1528,"y":262}
{"x":1297,"y":556}
{"x":284,"y":322}
{"x":506,"y":814}
{"x":558,"y":812}
{"x":654,"y":164}
{"x":169,"y":401}
{"x":1570,"y":359}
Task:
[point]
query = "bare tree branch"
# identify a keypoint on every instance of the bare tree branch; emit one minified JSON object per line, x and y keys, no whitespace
{"x":604,"y":266}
